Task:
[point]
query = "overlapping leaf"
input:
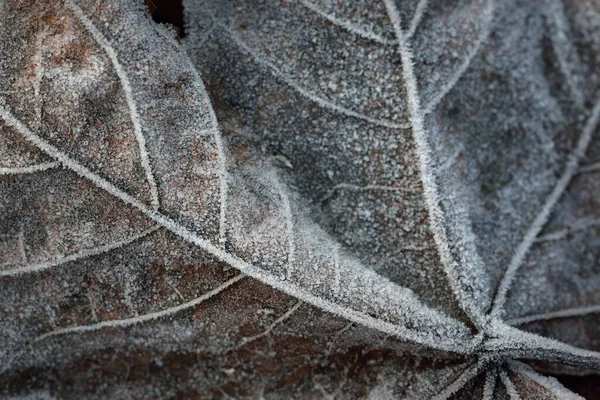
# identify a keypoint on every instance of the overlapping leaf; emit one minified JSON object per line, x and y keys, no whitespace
{"x":500,"y":110}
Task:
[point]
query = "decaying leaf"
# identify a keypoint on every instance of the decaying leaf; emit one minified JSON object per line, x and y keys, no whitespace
{"x":379,"y":199}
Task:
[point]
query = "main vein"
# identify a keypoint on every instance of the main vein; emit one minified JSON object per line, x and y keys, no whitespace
{"x":437,"y":221}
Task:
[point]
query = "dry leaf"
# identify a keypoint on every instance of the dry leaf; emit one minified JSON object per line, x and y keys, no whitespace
{"x":426,"y":208}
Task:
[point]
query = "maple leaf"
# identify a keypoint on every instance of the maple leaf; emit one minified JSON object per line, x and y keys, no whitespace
{"x":138,"y":249}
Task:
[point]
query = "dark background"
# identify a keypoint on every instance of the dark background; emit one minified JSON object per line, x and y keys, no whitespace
{"x":167,"y":11}
{"x":171,"y":12}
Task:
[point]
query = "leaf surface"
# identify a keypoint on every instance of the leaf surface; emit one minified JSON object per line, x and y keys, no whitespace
{"x":402,"y":185}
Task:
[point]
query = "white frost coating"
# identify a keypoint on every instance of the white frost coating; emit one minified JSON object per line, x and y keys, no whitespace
{"x":487,"y":22}
{"x":21,"y":243}
{"x":216,"y":133}
{"x":577,"y":226}
{"x":366,"y":188}
{"x":567,"y":313}
{"x":347,"y":25}
{"x":565,"y":50}
{"x":336,"y":268}
{"x":511,"y":389}
{"x":510,"y":342}
{"x":76,"y":256}
{"x":412,"y":306}
{"x":540,"y":220}
{"x":471,"y":372}
{"x":38,"y":62}
{"x":262,"y":60}
{"x":289,"y":222}
{"x":30,"y":169}
{"x":490,"y":385}
{"x":437,"y":220}
{"x":142,"y":318}
{"x":548,"y":383}
{"x":135,"y":118}
{"x":417,"y":18}
{"x":270,"y":328}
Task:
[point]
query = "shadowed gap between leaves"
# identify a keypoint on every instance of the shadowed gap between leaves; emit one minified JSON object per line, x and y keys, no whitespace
{"x":167,"y":12}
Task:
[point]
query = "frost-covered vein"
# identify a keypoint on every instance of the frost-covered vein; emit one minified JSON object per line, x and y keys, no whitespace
{"x":511,"y":389}
{"x":26,"y":269}
{"x":399,"y":331}
{"x":21,"y":244}
{"x":289,"y":222}
{"x":548,"y":383}
{"x":540,"y":220}
{"x":465,"y":377}
{"x":216,"y":133}
{"x":487,"y":22}
{"x":565,"y":50}
{"x":510,"y":342}
{"x":177,"y":292}
{"x":344,"y":329}
{"x":320,"y":101}
{"x":142,"y":318}
{"x":590,"y":168}
{"x":561,"y":234}
{"x":490,"y":385}
{"x":38,"y":62}
{"x":449,"y":161}
{"x":274,"y":324}
{"x":128,"y":90}
{"x":346,"y":25}
{"x":336,"y":335}
{"x":30,"y":169}
{"x":337,"y":277}
{"x":417,"y":18}
{"x":437,"y":220}
{"x":366,"y":188}
{"x":566,"y":313}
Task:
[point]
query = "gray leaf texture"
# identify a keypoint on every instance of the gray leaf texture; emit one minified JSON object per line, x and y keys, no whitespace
{"x":367,"y":200}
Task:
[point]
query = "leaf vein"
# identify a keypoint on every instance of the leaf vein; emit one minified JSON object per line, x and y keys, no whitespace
{"x":216,"y":133}
{"x":465,"y":377}
{"x":430,"y":189}
{"x":542,"y":217}
{"x":417,"y":18}
{"x":488,"y":17}
{"x":273,"y":325}
{"x":76,"y":256}
{"x":511,"y":389}
{"x":30,"y":169}
{"x":142,"y":318}
{"x":347,"y":25}
{"x":548,"y":383}
{"x":275,"y":71}
{"x":127,"y":89}
{"x":559,"y":314}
